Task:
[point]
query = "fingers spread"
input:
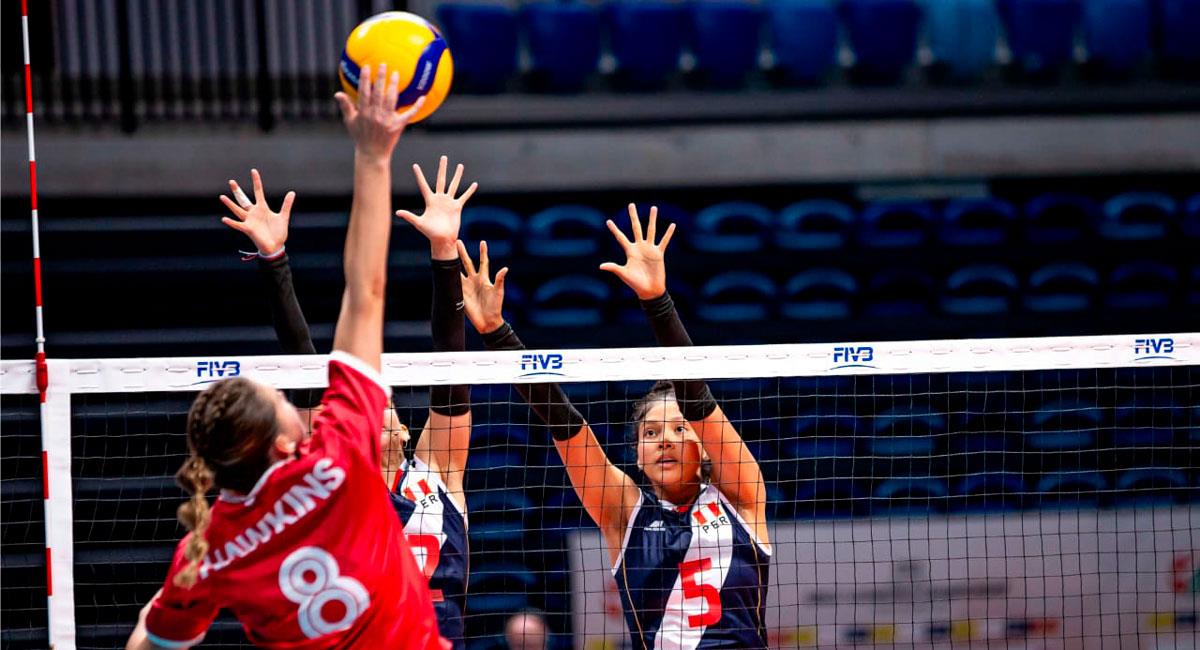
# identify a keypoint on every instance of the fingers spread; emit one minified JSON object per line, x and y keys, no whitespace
{"x":346,"y":106}
{"x":393,"y":92}
{"x":285,"y":210}
{"x":662,"y":246}
{"x":407,"y":115}
{"x":441,"y":175}
{"x":652,"y":225}
{"x":366,"y":87}
{"x":259,"y":195}
{"x":409,"y":217}
{"x":236,"y":209}
{"x":500,"y":275}
{"x":466,"y":195}
{"x":465,"y":257}
{"x":483,"y":259}
{"x":422,"y":184}
{"x":236,"y":225}
{"x":238,"y":194}
{"x":636,"y":223}
{"x":453,"y":189}
{"x":621,"y":238}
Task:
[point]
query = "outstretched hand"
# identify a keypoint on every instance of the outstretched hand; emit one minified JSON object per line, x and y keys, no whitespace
{"x":644,"y":269}
{"x":373,"y":122}
{"x":483,"y":300}
{"x":443,"y":212}
{"x":268,"y":230}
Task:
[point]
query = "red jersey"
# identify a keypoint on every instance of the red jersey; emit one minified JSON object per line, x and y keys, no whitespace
{"x":313,"y":556}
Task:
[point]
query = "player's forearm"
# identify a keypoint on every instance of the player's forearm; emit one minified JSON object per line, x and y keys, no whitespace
{"x":360,"y":324}
{"x":449,"y":333}
{"x":695,"y":399}
{"x":547,"y":400}
{"x":291,"y":328}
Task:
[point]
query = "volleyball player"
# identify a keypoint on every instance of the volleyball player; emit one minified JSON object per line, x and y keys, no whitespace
{"x":301,"y":544}
{"x":689,"y":550}
{"x":426,"y":491}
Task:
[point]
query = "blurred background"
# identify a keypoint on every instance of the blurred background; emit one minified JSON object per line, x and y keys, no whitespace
{"x":862,"y":169}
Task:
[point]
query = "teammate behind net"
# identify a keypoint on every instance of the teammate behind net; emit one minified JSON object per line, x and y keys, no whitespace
{"x":689,"y":550}
{"x":426,"y":491}
{"x":302,"y":545}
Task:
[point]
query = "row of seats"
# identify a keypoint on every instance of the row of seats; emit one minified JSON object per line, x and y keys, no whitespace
{"x":647,"y":38}
{"x":580,"y":300}
{"x":826,"y":224}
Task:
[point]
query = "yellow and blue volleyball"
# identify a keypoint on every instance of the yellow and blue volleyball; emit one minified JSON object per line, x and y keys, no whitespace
{"x":409,"y":45}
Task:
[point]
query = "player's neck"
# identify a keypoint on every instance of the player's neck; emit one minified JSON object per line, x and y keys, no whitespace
{"x":683,"y":494}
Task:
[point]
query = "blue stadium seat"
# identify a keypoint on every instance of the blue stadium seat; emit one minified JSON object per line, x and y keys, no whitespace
{"x":989,"y":492}
{"x":1193,"y":293}
{"x":909,"y":496}
{"x":909,"y":420}
{"x":1177,"y":20}
{"x":725,"y":40}
{"x":822,"y":457}
{"x":1061,"y":287}
{"x":1063,"y":425}
{"x":564,"y":42}
{"x":1117,"y":33}
{"x":485,"y":435}
{"x":563,"y":512}
{"x":483,"y":38}
{"x":896,"y":223}
{"x":819,"y":294}
{"x":979,"y":289}
{"x":497,"y":514}
{"x":570,"y":301}
{"x":883,"y":34}
{"x":647,"y":39}
{"x":496,"y":605}
{"x":1142,"y":285}
{"x":566,"y":231}
{"x":962,"y":35}
{"x":981,"y":448}
{"x":804,"y":38}
{"x":1059,"y":218}
{"x":736,"y":296}
{"x":501,"y":577}
{"x":816,"y":224}
{"x":1191,"y":217}
{"x":898,"y":292}
{"x":501,"y":229}
{"x":1147,"y":486}
{"x":1071,"y":489}
{"x":977,"y":222}
{"x":733,"y":227}
{"x":1041,"y":33}
{"x":829,"y":497}
{"x":1138,"y":216}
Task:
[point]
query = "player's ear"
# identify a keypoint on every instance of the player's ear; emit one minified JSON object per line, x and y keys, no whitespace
{"x":284,"y":446}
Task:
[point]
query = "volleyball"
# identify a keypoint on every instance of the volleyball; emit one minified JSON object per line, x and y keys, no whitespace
{"x":408,"y":44}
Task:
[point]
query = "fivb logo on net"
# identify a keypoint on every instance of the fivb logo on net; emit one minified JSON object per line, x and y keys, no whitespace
{"x":1162,"y":347}
{"x":853,"y":356}
{"x":542,"y":364}
{"x":210,"y":371}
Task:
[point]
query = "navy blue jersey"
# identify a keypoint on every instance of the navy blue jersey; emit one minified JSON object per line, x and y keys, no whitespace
{"x":437,"y":533}
{"x":692,"y":577}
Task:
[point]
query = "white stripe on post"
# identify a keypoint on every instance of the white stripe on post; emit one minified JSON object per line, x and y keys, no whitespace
{"x":60,"y":532}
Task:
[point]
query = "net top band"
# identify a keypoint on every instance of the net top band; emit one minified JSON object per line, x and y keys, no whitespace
{"x":175,"y":374}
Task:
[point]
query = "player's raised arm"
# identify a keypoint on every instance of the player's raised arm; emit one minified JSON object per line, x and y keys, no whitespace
{"x":735,"y":472}
{"x":444,"y":440}
{"x":375,"y":127}
{"x":607,"y":493}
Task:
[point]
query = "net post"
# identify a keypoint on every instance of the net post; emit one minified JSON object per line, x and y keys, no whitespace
{"x":59,"y":511}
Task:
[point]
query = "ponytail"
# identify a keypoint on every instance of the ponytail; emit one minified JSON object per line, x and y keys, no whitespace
{"x":196,"y":478}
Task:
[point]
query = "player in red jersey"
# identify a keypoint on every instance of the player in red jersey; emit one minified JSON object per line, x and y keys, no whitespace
{"x":302,"y":545}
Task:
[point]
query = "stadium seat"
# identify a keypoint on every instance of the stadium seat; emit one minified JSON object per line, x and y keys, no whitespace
{"x":501,"y":229}
{"x":816,"y":224}
{"x":1071,"y":489}
{"x":563,"y":512}
{"x":725,"y":40}
{"x":733,"y":227}
{"x":804,"y":39}
{"x":898,"y":293}
{"x":1061,"y":287}
{"x":977,"y":222}
{"x":501,"y":577}
{"x":1041,"y":33}
{"x":566,"y":231}
{"x":896,"y":224}
{"x":962,"y":36}
{"x":1117,"y":34}
{"x":822,"y":457}
{"x":497,"y":514}
{"x":908,"y":420}
{"x":1151,"y":486}
{"x":1179,"y":47}
{"x":483,"y":38}
{"x":503,"y":437}
{"x":909,"y":496}
{"x":1191,"y":217}
{"x":1059,"y":218}
{"x":494,"y":469}
{"x":647,"y":39}
{"x":980,"y":450}
{"x":736,"y":296}
{"x":564,"y":43}
{"x":1141,"y":285}
{"x":989,"y":492}
{"x":1063,"y":425}
{"x":1193,"y":292}
{"x":883,"y":34}
{"x":829,"y":497}
{"x":979,"y":289}
{"x":1138,"y":216}
{"x":819,"y":294}
{"x":570,"y":301}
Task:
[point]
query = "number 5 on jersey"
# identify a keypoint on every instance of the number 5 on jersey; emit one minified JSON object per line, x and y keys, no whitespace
{"x":689,"y":576}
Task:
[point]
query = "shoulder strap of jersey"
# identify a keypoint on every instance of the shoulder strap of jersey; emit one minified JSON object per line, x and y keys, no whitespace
{"x":629,"y":525}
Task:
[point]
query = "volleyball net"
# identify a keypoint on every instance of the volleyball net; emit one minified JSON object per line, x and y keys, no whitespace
{"x":1008,"y":492}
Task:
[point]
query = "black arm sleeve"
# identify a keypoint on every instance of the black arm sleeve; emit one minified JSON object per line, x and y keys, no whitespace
{"x":547,"y":400}
{"x":449,"y":335}
{"x":290,"y":327}
{"x":695,"y":399}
